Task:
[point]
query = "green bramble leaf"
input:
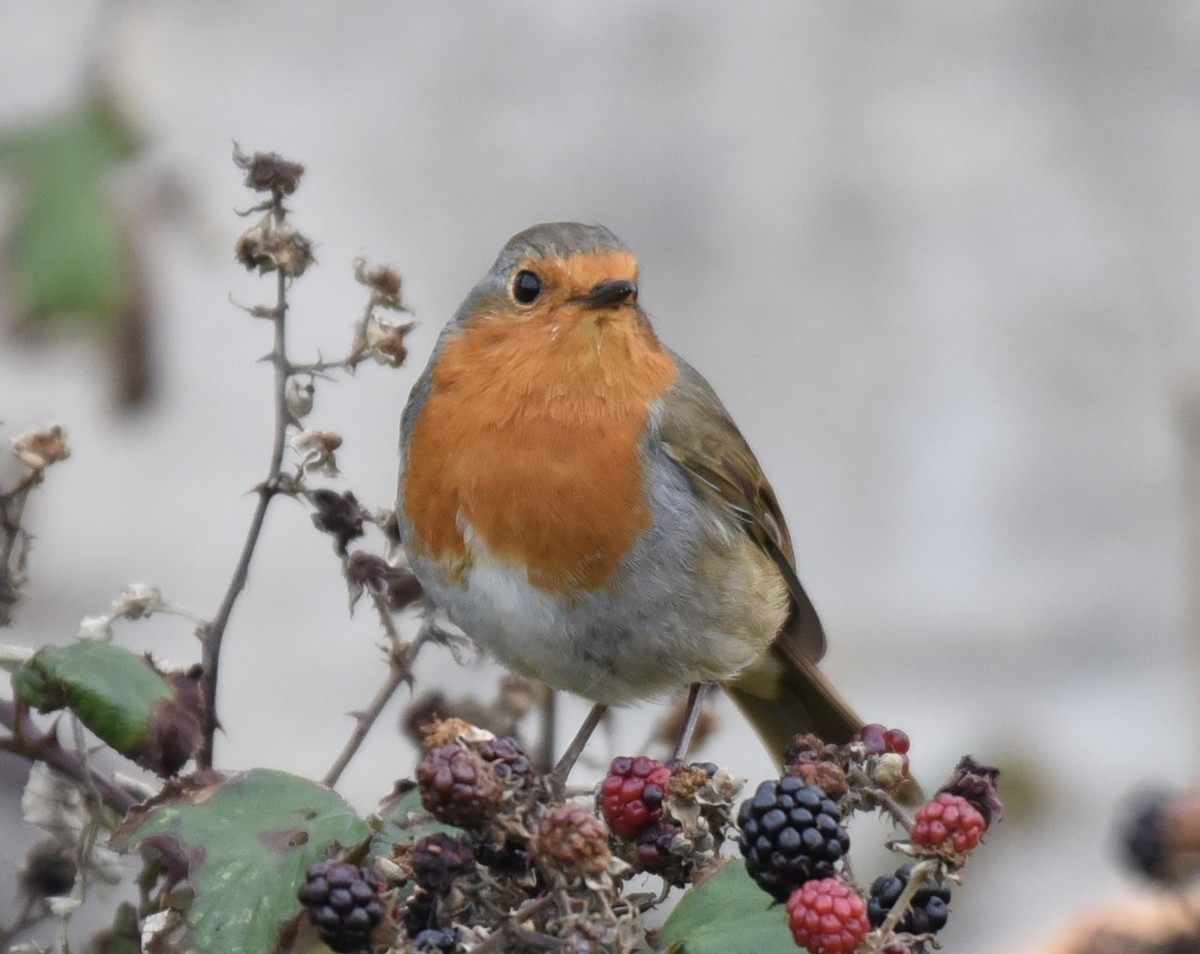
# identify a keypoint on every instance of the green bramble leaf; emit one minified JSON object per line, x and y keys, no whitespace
{"x":148,"y":716}
{"x":246,"y":842}
{"x":726,"y":912}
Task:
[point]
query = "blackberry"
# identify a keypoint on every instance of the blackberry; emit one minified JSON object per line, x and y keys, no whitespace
{"x":790,"y":833}
{"x":438,"y":860}
{"x":343,"y":903}
{"x":420,"y":913}
{"x":948,"y":823}
{"x":926,"y":914}
{"x":510,"y":856}
{"x":827,"y":916}
{"x":458,"y":787}
{"x":570,"y":841}
{"x":510,"y":760}
{"x":435,"y":941}
{"x":878,"y":739}
{"x":631,"y":796}
{"x":1144,"y":837}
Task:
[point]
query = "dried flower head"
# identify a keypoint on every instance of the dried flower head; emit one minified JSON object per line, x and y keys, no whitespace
{"x":40,"y":448}
{"x":317,"y":448}
{"x":384,"y":341}
{"x":384,"y":283}
{"x":271,"y":249}
{"x":269,"y":171}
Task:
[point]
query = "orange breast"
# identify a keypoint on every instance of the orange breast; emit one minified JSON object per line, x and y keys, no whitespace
{"x":530,"y":438}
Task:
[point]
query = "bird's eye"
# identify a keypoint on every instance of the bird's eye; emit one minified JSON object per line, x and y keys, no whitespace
{"x":526,"y":287}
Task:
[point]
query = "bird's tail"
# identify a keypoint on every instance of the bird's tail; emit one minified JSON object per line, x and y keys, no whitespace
{"x":784,"y":694}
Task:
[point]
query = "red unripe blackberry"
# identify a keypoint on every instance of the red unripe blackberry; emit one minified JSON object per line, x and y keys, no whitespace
{"x":458,"y":787}
{"x":631,"y":796}
{"x":949,"y":821}
{"x":343,"y":903}
{"x":827,"y":917}
{"x":790,"y":833}
{"x":878,"y":739}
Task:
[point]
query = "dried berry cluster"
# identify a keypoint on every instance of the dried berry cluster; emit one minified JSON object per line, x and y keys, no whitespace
{"x":525,"y":870}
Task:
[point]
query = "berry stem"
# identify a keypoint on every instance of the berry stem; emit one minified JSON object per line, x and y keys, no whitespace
{"x":900,"y":815}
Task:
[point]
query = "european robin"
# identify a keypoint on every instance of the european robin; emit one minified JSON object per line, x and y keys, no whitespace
{"x":574,"y":496}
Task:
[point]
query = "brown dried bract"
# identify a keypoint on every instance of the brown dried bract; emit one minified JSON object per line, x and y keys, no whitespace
{"x":269,"y":171}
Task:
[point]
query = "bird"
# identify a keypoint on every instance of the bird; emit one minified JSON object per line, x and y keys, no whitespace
{"x":574,"y":496}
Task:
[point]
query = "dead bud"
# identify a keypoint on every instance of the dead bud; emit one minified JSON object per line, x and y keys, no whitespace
{"x":383,"y":281}
{"x":977,"y":784}
{"x":317,"y":448}
{"x":38,"y":449}
{"x":338,"y":515}
{"x":368,"y":571}
{"x":274,"y":249}
{"x":269,"y":171}
{"x":385,"y":340}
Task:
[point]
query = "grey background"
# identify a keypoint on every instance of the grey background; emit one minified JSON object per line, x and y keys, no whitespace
{"x":938,"y":258}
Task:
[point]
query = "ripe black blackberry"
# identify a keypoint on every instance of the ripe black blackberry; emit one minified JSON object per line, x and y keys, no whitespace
{"x":420,"y":912}
{"x":790,"y":833}
{"x":926,"y":914}
{"x":343,"y":903}
{"x":438,"y":859}
{"x":1144,"y":838}
{"x":507,"y":856}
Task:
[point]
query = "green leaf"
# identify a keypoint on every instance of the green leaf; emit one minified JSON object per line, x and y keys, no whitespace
{"x":68,"y":250}
{"x":401,"y":820}
{"x":247,"y":840}
{"x":727,"y":912}
{"x":150,"y":717}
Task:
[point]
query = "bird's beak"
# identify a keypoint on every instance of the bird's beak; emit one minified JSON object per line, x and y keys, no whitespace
{"x":609,"y":294}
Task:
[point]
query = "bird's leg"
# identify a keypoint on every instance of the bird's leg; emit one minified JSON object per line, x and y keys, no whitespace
{"x":691,"y":716}
{"x":557,"y":779}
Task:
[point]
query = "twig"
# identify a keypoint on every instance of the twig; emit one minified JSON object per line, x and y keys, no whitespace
{"x":12,"y":509}
{"x":398,"y":674}
{"x":64,"y":762}
{"x":213,"y":634}
{"x":900,"y":815}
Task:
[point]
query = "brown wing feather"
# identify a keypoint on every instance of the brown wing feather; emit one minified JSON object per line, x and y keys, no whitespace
{"x":702,"y":439}
{"x":783,"y":693}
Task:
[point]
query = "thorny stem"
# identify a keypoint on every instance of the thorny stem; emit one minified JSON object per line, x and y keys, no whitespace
{"x":12,"y":508}
{"x":899,"y":813}
{"x":214,"y":633}
{"x":398,"y":674}
{"x":500,"y":939}
{"x":64,"y":762}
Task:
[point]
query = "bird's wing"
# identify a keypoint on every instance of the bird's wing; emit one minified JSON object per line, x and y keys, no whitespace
{"x":702,"y":439}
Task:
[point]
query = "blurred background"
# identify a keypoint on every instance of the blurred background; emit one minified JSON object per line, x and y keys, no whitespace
{"x":939,"y":259}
